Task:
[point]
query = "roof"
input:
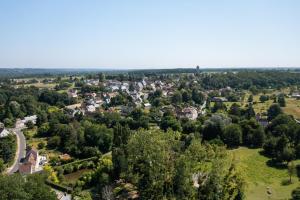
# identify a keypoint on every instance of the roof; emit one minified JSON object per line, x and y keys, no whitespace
{"x":31,"y":156}
{"x":4,"y":132}
{"x":25,"y":168}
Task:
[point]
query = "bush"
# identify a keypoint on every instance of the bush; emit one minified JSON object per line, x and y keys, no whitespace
{"x":54,"y":142}
{"x":29,"y":125}
{"x":68,"y":169}
{"x":41,"y":145}
{"x":59,"y":187}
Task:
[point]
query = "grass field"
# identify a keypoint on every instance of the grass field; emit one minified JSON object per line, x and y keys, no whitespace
{"x":73,"y":177}
{"x":292,"y":107}
{"x":259,"y":176}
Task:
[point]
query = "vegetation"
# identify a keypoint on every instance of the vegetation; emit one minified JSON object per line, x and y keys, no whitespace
{"x":159,"y":134}
{"x":15,"y":187}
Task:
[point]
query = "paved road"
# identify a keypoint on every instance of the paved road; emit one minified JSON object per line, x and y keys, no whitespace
{"x":21,"y":147}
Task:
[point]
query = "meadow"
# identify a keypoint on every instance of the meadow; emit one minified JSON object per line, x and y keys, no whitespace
{"x":261,"y":178}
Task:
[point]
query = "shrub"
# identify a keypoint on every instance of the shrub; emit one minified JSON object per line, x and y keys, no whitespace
{"x":68,"y":169}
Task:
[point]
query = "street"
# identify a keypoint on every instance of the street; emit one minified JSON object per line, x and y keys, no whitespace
{"x":21,"y":147}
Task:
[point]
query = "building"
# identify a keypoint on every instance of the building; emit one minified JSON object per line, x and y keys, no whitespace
{"x":90,"y":108}
{"x":147,"y":105}
{"x":32,"y":118}
{"x":3,"y":132}
{"x":219,"y":99}
{"x":72,"y":93}
{"x":296,"y":95}
{"x":30,"y":163}
{"x":189,"y":112}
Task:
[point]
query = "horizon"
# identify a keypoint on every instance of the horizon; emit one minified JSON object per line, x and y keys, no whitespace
{"x":149,"y":35}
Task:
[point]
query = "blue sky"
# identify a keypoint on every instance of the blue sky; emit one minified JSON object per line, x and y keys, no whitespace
{"x":148,"y":34}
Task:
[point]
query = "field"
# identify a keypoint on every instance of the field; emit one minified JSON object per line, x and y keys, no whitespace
{"x":292,"y":107}
{"x":292,"y":104}
{"x":259,"y":176}
{"x":73,"y":177}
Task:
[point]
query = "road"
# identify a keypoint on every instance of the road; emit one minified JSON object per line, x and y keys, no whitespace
{"x":21,"y":147}
{"x":202,"y":108}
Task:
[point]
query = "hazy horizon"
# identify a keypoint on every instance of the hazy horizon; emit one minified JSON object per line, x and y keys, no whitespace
{"x":147,"y":35}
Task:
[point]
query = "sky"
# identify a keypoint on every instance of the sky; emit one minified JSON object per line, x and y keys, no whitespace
{"x":149,"y":33}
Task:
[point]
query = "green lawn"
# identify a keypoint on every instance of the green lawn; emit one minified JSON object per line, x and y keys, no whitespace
{"x":259,"y":176}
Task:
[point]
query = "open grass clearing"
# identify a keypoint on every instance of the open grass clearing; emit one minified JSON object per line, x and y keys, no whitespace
{"x":259,"y":176}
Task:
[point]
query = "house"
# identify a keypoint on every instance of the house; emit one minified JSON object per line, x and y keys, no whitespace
{"x":153,"y":86}
{"x":74,"y":111}
{"x":219,"y":99}
{"x":90,"y":108}
{"x":144,"y":83}
{"x":114,"y":88}
{"x":31,"y":162}
{"x":140,"y":86}
{"x":32,"y":118}
{"x":296,"y":95}
{"x":3,"y":132}
{"x":147,"y":105}
{"x":72,"y":93}
{"x":65,"y":157}
{"x":189,"y":112}
{"x":262,"y":121}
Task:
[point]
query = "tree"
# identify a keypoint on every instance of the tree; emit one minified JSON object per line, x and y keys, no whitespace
{"x":7,"y":148}
{"x":98,"y":135}
{"x":253,"y":133}
{"x":250,"y":98}
{"x":176,"y":98}
{"x":15,"y":187}
{"x":281,"y":100}
{"x":29,"y":124}
{"x":232,"y":135}
{"x":170,"y":122}
{"x":235,"y":109}
{"x":274,"y":111}
{"x":186,"y":96}
{"x":287,"y":154}
{"x":2,"y":165}
{"x":296,"y":194}
{"x":249,"y":112}
{"x":197,"y":97}
{"x":101,"y":77}
{"x":219,"y":105}
{"x":291,"y":170}
{"x":263,"y":98}
{"x":119,"y":154}
{"x":214,"y":126}
{"x":150,"y":163}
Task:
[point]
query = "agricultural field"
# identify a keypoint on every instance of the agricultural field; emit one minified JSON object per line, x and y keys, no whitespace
{"x":260,"y":177}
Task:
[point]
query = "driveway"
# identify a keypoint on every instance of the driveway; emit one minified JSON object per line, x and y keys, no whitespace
{"x":21,"y":147}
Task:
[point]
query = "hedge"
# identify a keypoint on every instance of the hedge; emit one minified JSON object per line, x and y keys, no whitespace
{"x":78,"y":162}
{"x":59,"y":187}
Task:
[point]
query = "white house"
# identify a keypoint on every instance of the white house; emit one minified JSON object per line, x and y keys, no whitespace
{"x":189,"y":112}
{"x":147,"y":105}
{"x":32,"y":118}
{"x":4,"y":132}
